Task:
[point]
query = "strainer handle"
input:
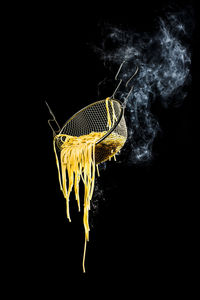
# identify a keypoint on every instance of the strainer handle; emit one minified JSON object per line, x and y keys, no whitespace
{"x":52,"y":120}
{"x":127,"y":83}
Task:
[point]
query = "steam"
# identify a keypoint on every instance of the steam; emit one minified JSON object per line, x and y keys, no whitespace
{"x":164,"y":60}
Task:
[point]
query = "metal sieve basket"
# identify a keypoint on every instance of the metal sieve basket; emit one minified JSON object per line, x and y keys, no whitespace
{"x":93,"y":118}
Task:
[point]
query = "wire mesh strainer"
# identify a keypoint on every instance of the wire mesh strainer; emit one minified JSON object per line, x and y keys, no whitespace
{"x":94,"y":118}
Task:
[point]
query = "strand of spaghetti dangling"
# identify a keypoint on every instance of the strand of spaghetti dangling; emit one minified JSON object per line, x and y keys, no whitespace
{"x":88,"y":194}
{"x":114,"y":118}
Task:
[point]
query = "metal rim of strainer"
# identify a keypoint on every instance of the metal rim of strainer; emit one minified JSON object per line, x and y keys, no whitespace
{"x":109,"y":131}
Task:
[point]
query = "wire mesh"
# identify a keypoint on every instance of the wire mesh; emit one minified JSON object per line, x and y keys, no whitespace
{"x":94,"y":118}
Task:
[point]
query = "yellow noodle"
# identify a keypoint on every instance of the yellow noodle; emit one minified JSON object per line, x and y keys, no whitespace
{"x":98,"y":170}
{"x":114,"y":118}
{"x":108,"y":114}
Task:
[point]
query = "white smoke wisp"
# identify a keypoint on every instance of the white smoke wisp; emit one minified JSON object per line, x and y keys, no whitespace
{"x":164,"y":60}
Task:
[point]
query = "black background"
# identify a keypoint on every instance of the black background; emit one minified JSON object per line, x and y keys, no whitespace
{"x":143,"y":232}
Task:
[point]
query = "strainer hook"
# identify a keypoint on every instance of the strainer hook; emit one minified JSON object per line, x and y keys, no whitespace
{"x":127,"y":83}
{"x":52,"y":120}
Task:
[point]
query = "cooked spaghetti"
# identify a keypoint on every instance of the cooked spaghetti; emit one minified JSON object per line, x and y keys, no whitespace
{"x":77,"y":158}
